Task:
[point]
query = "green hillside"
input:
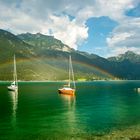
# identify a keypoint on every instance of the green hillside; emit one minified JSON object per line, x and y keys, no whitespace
{"x":42,"y":62}
{"x":41,"y":57}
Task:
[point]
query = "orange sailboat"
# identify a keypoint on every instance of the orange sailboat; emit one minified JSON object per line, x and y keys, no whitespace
{"x":67,"y":89}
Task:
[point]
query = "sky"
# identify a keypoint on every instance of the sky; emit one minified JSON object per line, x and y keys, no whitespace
{"x":103,"y":27}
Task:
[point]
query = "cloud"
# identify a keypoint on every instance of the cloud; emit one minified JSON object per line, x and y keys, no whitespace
{"x":111,"y":8}
{"x":118,"y":38}
{"x":42,"y":16}
{"x":121,"y":50}
{"x":69,"y":32}
{"x":125,"y":37}
{"x":54,"y":15}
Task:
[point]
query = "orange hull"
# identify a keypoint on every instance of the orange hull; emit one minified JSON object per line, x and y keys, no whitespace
{"x":66,"y":92}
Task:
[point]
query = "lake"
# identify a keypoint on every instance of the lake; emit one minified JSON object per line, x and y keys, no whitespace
{"x":100,"y":109}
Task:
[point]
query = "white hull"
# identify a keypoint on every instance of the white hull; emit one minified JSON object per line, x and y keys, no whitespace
{"x":12,"y":88}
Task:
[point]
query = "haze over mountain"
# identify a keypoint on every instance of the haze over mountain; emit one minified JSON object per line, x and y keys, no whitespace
{"x":41,"y":57}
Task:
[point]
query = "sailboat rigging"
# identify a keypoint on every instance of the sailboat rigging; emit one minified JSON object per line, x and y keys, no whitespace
{"x":67,"y":90}
{"x":14,"y":84}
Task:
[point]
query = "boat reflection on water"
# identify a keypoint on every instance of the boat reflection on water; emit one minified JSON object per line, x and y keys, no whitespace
{"x":69,"y":99}
{"x":137,"y":90}
{"x":70,"y":113}
{"x":14,"y":100}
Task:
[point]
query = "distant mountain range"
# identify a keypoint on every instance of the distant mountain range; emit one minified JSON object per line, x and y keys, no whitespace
{"x":42,"y":57}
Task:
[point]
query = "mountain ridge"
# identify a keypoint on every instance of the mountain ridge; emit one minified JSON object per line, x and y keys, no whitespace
{"x":129,"y":55}
{"x":44,"y":41}
{"x":46,"y":59}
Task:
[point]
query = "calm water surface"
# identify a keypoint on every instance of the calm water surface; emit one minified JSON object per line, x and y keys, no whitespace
{"x":37,"y":111}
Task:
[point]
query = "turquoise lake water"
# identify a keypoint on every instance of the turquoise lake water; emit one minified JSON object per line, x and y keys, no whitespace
{"x":99,"y":108}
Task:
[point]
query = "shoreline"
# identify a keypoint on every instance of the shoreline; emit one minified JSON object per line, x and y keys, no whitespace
{"x":67,"y":80}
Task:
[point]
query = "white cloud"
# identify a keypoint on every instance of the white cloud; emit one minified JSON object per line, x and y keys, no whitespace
{"x":121,"y":50}
{"x":17,"y":21}
{"x":114,"y":9}
{"x":40,"y":16}
{"x":45,"y":15}
{"x":125,"y":37}
{"x":117,"y":38}
{"x":68,"y":31}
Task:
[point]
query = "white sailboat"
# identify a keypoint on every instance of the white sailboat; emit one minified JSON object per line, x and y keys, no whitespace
{"x":67,"y":89}
{"x":14,"y":84}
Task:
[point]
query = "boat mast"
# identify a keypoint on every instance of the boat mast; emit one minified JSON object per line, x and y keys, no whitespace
{"x":69,"y":72}
{"x":15,"y":71}
{"x":71,"y":67}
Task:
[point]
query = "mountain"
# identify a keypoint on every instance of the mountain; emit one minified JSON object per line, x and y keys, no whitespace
{"x":129,"y":55}
{"x":127,"y":65}
{"x":10,"y":44}
{"x":44,"y":42}
{"x":48,"y":46}
{"x":42,"y":57}
{"x":42,"y":62}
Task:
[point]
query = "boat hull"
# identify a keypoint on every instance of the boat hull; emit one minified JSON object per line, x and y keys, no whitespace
{"x":10,"y":88}
{"x":66,"y":91}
